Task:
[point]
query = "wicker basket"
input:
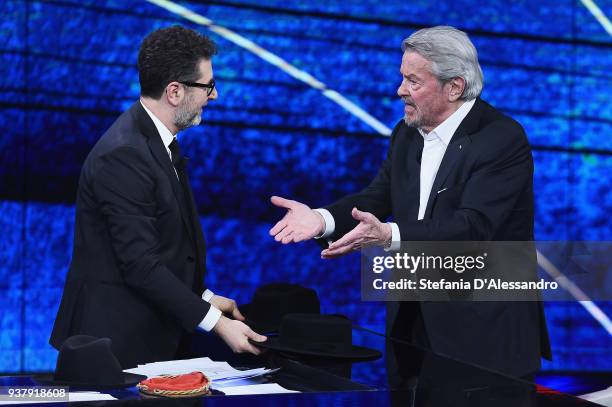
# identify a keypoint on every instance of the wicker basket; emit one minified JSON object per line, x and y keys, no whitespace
{"x":193,"y":384}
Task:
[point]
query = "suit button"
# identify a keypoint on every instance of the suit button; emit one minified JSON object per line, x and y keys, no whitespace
{"x":190,"y":259}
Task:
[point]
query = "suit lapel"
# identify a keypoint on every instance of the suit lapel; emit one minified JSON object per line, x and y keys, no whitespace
{"x":147,"y":127}
{"x":411,"y":178}
{"x":458,"y":146}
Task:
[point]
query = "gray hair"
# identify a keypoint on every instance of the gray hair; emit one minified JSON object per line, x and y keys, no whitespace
{"x":451,"y":54}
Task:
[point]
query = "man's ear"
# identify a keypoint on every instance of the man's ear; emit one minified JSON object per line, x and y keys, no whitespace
{"x":174,"y":93}
{"x":456,"y":88}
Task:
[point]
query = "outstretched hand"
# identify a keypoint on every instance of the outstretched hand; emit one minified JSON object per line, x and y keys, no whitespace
{"x":369,"y":232}
{"x":299,"y":223}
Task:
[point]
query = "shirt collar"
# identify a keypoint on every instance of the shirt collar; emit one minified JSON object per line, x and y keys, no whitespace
{"x":448,"y":127}
{"x":165,"y":134}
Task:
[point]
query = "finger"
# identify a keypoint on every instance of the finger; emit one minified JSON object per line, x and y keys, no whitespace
{"x":249,"y":347}
{"x":288,"y":238}
{"x":298,"y":237}
{"x":341,"y":249}
{"x":332,"y":254}
{"x":282,"y":202}
{"x":282,"y":234}
{"x":338,"y":251}
{"x":361,"y":216}
{"x":255,"y":336}
{"x":345,"y":244}
{"x":237,"y":314}
{"x":347,"y":239}
{"x":280,"y":225}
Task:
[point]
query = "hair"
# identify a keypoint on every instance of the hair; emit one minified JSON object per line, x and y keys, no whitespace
{"x":171,"y":54}
{"x":451,"y":54}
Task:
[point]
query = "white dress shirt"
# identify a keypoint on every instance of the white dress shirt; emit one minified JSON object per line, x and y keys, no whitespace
{"x":434,"y":146}
{"x":213,"y":314}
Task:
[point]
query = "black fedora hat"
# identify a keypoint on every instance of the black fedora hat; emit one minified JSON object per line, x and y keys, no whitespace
{"x":88,"y":362}
{"x":317,"y":335}
{"x":271,"y":302}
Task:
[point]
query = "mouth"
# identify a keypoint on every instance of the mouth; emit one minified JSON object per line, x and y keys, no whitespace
{"x":408,"y":102}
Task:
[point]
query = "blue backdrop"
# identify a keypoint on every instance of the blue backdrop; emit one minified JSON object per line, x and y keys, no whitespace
{"x":68,"y":70}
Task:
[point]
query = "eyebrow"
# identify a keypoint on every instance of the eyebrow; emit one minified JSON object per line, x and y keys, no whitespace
{"x":410,"y":76}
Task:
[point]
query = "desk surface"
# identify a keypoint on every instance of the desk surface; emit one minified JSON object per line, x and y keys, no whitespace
{"x":405,"y":375}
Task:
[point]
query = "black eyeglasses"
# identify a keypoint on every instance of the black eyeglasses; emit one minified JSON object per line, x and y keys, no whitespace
{"x":208,"y":86}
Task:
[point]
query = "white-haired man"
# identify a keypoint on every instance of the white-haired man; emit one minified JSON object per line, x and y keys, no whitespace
{"x":456,"y":169}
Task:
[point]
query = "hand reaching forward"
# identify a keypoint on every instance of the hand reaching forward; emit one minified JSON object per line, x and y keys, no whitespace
{"x":299,"y":223}
{"x":236,"y":335}
{"x":369,"y":232}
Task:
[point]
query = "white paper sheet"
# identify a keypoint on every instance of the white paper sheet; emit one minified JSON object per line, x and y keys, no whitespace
{"x":267,"y":388}
{"x":247,"y":374}
{"x":72,"y":397}
{"x":214,"y":370}
{"x":219,"y":385}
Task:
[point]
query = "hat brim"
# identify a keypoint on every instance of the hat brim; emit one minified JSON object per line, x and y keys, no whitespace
{"x":351,"y":352}
{"x":261,"y":327}
{"x":129,"y":380}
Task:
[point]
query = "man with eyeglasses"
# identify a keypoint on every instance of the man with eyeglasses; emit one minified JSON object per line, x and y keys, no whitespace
{"x":138,"y":263}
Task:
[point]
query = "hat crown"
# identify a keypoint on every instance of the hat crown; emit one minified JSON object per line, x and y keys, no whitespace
{"x":88,"y":360}
{"x":316,"y":332}
{"x":272,"y":302}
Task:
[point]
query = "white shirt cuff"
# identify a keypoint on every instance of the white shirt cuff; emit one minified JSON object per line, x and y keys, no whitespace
{"x":207,"y":295}
{"x":211,"y":318}
{"x":330,"y":224}
{"x":396,"y":240}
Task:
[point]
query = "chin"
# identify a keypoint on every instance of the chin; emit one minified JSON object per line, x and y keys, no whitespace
{"x":411,"y":122}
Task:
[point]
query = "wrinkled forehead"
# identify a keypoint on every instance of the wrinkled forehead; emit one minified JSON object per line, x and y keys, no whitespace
{"x":414,"y":63}
{"x":414,"y":60}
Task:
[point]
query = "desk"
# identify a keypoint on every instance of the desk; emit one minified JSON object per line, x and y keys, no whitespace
{"x":405,"y":376}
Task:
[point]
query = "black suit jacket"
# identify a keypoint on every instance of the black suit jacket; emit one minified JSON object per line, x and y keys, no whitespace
{"x":483,"y":191}
{"x":138,"y":261}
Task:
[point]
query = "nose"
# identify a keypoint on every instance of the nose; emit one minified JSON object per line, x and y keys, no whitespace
{"x":403,"y":90}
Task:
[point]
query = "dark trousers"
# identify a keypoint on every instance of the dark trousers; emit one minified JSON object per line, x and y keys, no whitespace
{"x":409,"y":325}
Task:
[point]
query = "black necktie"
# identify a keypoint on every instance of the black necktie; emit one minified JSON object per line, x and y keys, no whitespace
{"x":179,"y":165}
{"x":177,"y":158}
